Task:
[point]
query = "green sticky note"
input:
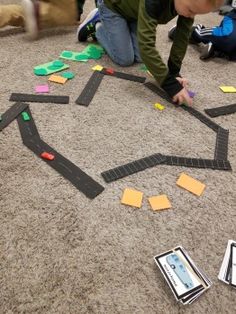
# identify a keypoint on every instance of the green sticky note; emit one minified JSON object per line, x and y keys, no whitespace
{"x":93,"y":47}
{"x":73,"y":55}
{"x":40,"y":71}
{"x":66,"y":54}
{"x":81,"y":57}
{"x":68,"y":75}
{"x":58,"y":63}
{"x":50,"y":67}
{"x":94,"y":51}
{"x":143,"y":68}
{"x":95,"y":55}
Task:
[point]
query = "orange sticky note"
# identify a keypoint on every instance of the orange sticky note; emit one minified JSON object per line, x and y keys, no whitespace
{"x":57,"y":79}
{"x":132,"y":198}
{"x":190,"y":184}
{"x":159,"y":202}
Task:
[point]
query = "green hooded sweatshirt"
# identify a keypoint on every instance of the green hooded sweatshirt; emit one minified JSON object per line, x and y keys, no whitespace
{"x":148,"y":14}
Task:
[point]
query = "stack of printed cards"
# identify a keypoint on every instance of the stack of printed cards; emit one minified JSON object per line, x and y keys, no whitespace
{"x":228,"y":268}
{"x":185,"y":279}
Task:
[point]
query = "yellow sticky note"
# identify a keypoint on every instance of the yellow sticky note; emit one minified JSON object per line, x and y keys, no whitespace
{"x":190,"y":184}
{"x":159,"y":106}
{"x":132,"y":198}
{"x":97,"y":68}
{"x":57,"y":79}
{"x":228,"y":89}
{"x":159,"y":202}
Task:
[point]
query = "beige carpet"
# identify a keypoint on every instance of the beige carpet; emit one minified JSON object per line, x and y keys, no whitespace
{"x":63,"y":253}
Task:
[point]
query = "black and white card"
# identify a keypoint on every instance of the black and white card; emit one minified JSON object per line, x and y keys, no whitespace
{"x":185,"y":279}
{"x":227,"y":272}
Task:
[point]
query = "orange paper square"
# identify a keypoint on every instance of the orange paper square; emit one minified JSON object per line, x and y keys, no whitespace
{"x":132,"y":198}
{"x":159,"y":202}
{"x":57,"y":79}
{"x":190,"y":184}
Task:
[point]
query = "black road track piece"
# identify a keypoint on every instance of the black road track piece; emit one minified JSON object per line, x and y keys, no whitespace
{"x":11,"y":114}
{"x":66,"y":168}
{"x":132,"y":167}
{"x":125,"y":76}
{"x":201,"y":117}
{"x":197,"y":163}
{"x":160,"y":92}
{"x":27,"y":128}
{"x":40,"y":98}
{"x":221,"y":111}
{"x":90,"y":89}
{"x":221,"y":148}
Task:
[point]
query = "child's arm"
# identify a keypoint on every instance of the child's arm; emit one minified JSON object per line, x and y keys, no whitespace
{"x":180,"y":44}
{"x":225,"y":29}
{"x":151,"y":57}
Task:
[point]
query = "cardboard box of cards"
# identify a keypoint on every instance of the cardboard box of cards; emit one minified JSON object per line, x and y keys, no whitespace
{"x":227,"y":272}
{"x":185,"y":279}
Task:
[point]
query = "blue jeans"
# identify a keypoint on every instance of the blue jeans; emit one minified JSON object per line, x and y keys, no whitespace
{"x":117,"y":36}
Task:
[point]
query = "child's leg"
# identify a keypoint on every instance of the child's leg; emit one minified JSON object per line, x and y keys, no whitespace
{"x":202,"y":35}
{"x":11,"y":15}
{"x":57,"y":13}
{"x":133,"y":33}
{"x":114,"y":35}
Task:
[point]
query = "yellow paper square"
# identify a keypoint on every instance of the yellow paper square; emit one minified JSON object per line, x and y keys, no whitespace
{"x":159,"y":202}
{"x":57,"y":79}
{"x":228,"y":89}
{"x":159,"y":106}
{"x":132,"y":198}
{"x":190,"y":184}
{"x":97,"y":68}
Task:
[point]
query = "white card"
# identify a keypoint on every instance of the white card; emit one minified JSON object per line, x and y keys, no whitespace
{"x":233,"y":270}
{"x":224,"y":274}
{"x":179,"y":274}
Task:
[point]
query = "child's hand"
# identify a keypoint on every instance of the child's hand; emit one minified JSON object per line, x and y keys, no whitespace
{"x":183,"y":81}
{"x":183,"y":98}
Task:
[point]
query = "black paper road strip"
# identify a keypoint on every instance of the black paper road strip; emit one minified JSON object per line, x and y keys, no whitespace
{"x":201,"y":117}
{"x":27,"y":128}
{"x":132,"y":167}
{"x":90,"y":89}
{"x":221,"y":148}
{"x":157,"y":90}
{"x":66,"y":168}
{"x":40,"y":98}
{"x":125,"y":76}
{"x":11,"y":114}
{"x":220,"y":111}
{"x":197,"y":163}
{"x":190,"y":110}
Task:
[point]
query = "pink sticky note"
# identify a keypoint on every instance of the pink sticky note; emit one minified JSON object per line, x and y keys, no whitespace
{"x":42,"y":88}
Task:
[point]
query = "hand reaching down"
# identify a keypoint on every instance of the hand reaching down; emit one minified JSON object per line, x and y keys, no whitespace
{"x":183,"y":97}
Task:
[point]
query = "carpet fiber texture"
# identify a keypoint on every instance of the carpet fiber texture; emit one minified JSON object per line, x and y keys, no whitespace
{"x":62,"y":253}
